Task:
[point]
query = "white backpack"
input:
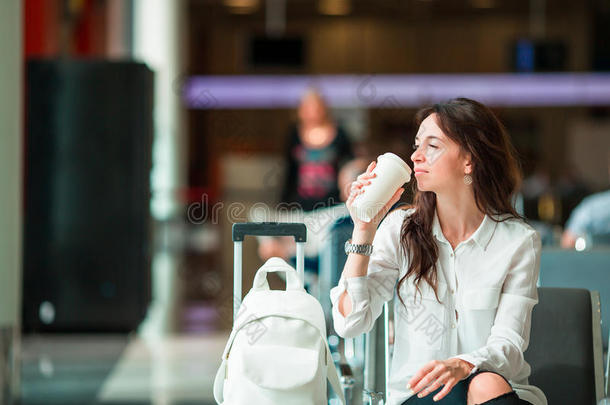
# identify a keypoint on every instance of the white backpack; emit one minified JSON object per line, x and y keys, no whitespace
{"x":277,"y":352}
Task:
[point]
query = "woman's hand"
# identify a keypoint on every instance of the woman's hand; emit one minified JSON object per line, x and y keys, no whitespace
{"x":439,"y":372}
{"x":366,"y":230}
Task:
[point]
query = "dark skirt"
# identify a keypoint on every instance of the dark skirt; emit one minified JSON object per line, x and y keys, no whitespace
{"x":459,"y":394}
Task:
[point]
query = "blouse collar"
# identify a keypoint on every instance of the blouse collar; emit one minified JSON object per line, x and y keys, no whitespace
{"x":481,"y":236}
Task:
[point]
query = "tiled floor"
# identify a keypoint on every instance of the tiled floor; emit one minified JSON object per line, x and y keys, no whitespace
{"x":166,"y":371}
{"x":119,"y":369}
{"x":67,"y":369}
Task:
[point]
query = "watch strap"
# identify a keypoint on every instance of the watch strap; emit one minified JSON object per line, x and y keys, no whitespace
{"x":361,"y":249}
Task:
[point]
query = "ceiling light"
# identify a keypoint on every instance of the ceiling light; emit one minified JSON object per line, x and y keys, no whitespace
{"x":241,"y":6}
{"x":334,"y":7}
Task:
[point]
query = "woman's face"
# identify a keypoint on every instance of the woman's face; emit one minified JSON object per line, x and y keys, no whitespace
{"x":438,"y":163}
{"x":312,"y":110}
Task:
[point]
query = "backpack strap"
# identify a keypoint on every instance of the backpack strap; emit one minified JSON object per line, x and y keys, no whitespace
{"x":219,"y":382}
{"x":332,"y":375}
{"x":221,"y":374}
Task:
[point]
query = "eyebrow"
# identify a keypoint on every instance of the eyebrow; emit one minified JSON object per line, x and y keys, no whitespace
{"x":430,"y":136}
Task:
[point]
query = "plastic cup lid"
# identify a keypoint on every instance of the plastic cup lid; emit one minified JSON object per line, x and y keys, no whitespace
{"x":398,"y":160}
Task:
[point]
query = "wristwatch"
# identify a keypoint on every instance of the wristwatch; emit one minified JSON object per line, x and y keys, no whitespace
{"x":366,"y":249}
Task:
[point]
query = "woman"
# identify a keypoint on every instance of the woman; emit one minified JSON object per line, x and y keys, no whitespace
{"x":463,"y":263}
{"x":315,"y":151}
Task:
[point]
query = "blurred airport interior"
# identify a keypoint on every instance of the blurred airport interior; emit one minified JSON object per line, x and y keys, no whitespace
{"x":136,"y":132}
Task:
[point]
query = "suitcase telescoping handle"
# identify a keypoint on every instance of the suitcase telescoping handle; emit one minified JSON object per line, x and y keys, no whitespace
{"x":296,"y":229}
{"x":242,"y":229}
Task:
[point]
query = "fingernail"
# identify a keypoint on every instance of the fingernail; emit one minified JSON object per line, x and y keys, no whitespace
{"x":408,"y":386}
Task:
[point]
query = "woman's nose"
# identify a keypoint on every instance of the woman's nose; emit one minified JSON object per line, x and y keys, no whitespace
{"x":417,"y":156}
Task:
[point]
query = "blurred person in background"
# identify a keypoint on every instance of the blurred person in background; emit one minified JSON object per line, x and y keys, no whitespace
{"x":589,"y":220}
{"x":316,"y":148}
{"x":318,"y":222}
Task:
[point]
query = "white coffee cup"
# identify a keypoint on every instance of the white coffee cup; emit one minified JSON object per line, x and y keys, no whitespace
{"x":391,"y":173}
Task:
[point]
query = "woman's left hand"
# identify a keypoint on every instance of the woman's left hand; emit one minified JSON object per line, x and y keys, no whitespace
{"x":439,"y":372}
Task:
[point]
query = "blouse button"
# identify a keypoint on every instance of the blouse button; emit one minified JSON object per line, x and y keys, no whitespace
{"x":453,"y":326}
{"x":451,"y":254}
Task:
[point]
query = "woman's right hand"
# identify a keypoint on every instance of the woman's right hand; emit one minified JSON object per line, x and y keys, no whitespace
{"x":364,"y":232}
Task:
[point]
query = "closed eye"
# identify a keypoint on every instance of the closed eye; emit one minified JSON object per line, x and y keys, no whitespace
{"x":415,"y":146}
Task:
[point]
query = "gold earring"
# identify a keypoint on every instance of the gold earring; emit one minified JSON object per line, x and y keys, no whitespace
{"x":467,"y":179}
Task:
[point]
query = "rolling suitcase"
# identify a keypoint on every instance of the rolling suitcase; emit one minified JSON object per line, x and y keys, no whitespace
{"x":277,"y":351}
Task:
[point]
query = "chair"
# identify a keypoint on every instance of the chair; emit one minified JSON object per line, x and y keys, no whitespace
{"x":565,"y":349}
{"x":572,"y":269}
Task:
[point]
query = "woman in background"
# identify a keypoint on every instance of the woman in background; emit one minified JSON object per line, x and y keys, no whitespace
{"x":316,"y":148}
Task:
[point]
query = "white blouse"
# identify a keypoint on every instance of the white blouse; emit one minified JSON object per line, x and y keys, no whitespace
{"x":487,"y":287}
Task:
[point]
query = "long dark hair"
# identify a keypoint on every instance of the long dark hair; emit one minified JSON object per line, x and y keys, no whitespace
{"x":496,"y":178}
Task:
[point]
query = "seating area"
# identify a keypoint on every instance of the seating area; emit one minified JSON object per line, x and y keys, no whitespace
{"x":568,"y":349}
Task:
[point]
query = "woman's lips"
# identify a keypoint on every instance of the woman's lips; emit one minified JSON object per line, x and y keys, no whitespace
{"x":420,"y":172}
